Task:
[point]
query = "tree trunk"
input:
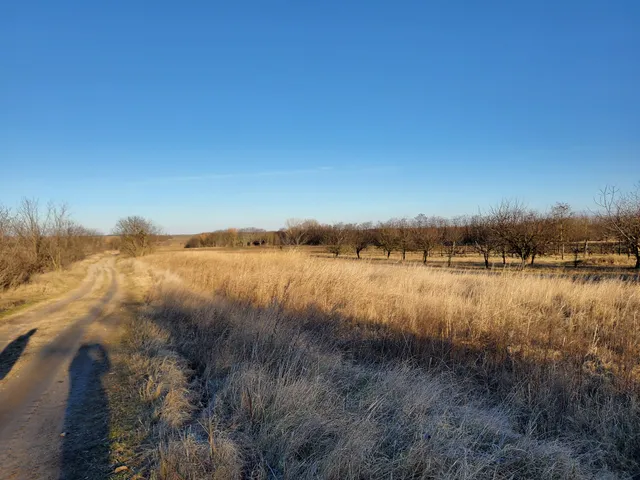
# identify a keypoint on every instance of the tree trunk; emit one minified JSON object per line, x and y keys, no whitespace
{"x":358,"y":253}
{"x":486,"y":261}
{"x":424,"y":257}
{"x":451,"y":253}
{"x":388,"y":254}
{"x":404,"y":254}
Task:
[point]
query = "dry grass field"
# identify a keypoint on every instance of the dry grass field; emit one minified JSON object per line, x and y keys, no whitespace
{"x":283,"y":365}
{"x":592,"y":265}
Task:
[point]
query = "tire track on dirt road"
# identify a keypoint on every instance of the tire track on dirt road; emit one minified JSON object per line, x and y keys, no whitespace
{"x":23,"y":319}
{"x":34,"y":394}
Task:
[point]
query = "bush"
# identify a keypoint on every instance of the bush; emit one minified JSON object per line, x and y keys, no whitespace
{"x":34,"y":240}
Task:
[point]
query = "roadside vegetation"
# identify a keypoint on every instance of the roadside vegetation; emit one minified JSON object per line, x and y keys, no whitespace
{"x":34,"y":240}
{"x":44,"y":253}
{"x":280,"y":365}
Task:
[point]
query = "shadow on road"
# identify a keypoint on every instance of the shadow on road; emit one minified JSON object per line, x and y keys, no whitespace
{"x":12,"y":352}
{"x":85,"y":448}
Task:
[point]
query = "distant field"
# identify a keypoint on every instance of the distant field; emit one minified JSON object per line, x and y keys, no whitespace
{"x":297,"y":366}
{"x":175,"y":242}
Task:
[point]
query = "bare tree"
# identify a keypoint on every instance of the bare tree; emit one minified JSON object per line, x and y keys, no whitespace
{"x":30,"y":228}
{"x":295,"y":231}
{"x":10,"y":262}
{"x":621,"y":214}
{"x":404,"y":235}
{"x":577,"y":235}
{"x":525,"y":232}
{"x":360,"y":236}
{"x":5,"y":223}
{"x":560,"y":213}
{"x":33,"y":240}
{"x":482,"y":237}
{"x":138,"y":236}
{"x":60,"y":230}
{"x":579,"y":229}
{"x":336,"y":238}
{"x":424,"y":231}
{"x":314,"y":232}
{"x":386,"y":237}
{"x":450,"y":236}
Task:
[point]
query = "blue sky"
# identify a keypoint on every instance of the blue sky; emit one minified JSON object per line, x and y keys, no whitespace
{"x":206,"y":115}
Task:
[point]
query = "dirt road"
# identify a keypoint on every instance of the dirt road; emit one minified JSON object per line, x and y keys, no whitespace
{"x":53,"y":409}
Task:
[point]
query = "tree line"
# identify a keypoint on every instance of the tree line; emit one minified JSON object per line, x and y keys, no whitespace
{"x":509,"y":229}
{"x":34,"y":239}
{"x":234,"y":237}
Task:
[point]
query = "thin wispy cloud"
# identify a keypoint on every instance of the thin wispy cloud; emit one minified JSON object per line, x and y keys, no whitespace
{"x":245,"y":175}
{"x":228,"y":176}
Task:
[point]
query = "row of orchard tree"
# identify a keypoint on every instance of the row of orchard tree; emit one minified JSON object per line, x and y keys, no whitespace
{"x":34,"y":239}
{"x":509,"y":229}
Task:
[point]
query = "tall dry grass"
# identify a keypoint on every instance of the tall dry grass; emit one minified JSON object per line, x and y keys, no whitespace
{"x":309,"y":367}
